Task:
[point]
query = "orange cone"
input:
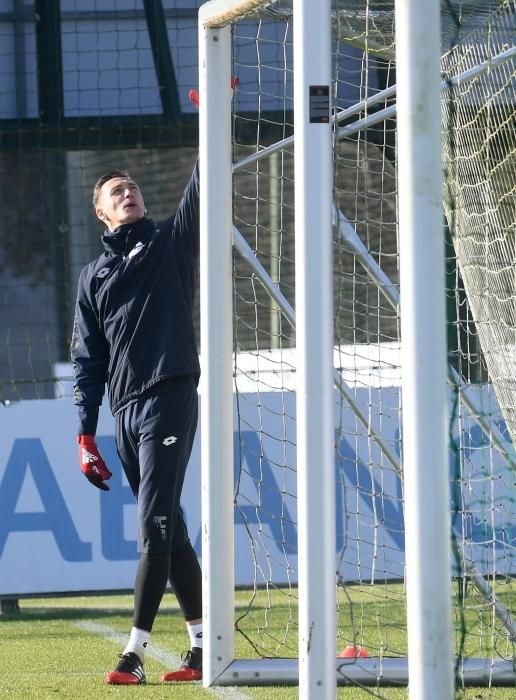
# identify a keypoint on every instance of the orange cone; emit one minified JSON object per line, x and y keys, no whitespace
{"x":352,"y":651}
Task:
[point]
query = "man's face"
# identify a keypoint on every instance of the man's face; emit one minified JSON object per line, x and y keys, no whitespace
{"x":120,"y":202}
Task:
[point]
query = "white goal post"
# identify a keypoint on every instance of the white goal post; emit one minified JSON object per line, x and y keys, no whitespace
{"x":316,"y":563}
{"x":425,"y":454}
{"x":423,"y":351}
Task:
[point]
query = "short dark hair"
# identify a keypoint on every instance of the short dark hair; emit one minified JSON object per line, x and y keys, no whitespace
{"x":103,"y":179}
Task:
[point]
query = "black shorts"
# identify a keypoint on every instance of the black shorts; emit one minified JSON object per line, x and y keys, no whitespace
{"x":154,"y":437}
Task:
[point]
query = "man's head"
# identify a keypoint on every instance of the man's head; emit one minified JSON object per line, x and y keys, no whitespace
{"x":117,"y":199}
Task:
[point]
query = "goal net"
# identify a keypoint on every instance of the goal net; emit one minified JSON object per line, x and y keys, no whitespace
{"x":478,"y":145}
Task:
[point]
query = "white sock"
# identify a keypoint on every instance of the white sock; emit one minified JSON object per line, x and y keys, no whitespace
{"x":195,"y":634}
{"x":138,"y":640}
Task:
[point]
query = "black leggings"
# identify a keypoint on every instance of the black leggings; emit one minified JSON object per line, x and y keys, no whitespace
{"x":182,"y":569}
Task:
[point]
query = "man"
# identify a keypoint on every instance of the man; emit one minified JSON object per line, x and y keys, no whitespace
{"x":134,"y":331}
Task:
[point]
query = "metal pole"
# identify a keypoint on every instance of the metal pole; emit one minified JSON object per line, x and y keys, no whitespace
{"x":423,"y":354}
{"x":216,"y":348}
{"x":314,"y":341}
{"x":274,"y":228}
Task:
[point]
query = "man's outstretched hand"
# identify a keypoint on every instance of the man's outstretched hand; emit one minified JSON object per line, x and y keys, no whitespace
{"x":92,"y":465}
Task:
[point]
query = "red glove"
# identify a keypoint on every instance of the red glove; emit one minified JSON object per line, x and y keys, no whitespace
{"x":92,"y":465}
{"x":194,"y":94}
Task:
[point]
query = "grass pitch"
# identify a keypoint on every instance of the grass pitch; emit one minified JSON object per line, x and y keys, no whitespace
{"x":63,"y":647}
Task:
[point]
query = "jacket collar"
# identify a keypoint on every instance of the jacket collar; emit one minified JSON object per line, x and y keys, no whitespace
{"x":123,"y":239}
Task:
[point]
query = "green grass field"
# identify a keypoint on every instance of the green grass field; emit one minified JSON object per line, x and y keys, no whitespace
{"x":62,"y":647}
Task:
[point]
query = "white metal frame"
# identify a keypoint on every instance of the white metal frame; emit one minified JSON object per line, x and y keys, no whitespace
{"x":423,"y":351}
{"x":314,"y":352}
{"x":316,"y":578}
{"x":425,"y":358}
{"x":217,"y":346}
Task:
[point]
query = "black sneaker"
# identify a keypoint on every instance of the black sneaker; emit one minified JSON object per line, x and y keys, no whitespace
{"x":129,"y":671}
{"x":191,"y":668}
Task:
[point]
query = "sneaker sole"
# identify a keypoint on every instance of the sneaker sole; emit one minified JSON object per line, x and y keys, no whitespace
{"x":117,"y":678}
{"x":184,"y":675}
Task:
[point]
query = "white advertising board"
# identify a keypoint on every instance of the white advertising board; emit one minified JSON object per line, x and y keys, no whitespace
{"x":60,"y":534}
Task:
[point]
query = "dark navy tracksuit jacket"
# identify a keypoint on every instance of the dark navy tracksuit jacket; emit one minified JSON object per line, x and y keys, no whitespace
{"x":134,"y":331}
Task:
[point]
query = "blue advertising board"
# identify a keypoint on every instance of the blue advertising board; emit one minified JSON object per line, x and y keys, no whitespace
{"x":59,"y":534}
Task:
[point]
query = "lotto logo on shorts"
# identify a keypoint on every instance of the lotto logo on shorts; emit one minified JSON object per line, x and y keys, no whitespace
{"x":170,"y":440}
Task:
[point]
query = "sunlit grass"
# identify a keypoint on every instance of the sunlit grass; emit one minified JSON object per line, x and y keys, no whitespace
{"x":45,"y":653}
